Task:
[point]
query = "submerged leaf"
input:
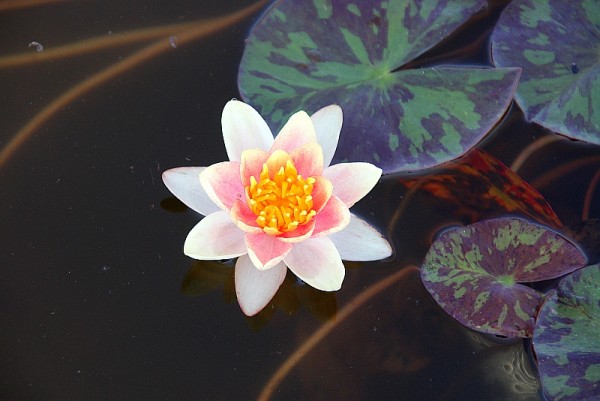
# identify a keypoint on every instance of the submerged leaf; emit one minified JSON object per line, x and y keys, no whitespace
{"x":306,"y":55}
{"x":566,"y":339}
{"x":478,"y":185}
{"x":473,"y":272}
{"x":557,"y":43}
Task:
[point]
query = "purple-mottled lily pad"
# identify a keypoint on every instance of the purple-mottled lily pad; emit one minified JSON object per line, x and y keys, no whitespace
{"x":307,"y":55}
{"x":473,"y":272}
{"x":566,"y":338}
{"x":557,"y":43}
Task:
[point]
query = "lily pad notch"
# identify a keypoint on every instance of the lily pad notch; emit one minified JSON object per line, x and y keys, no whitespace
{"x":303,"y":55}
{"x":477,"y":273}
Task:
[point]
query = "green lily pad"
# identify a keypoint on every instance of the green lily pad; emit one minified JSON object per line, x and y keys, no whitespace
{"x":307,"y":55}
{"x":567,"y":339}
{"x":473,"y":272}
{"x":557,"y":44}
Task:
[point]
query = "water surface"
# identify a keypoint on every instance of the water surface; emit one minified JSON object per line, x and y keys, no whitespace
{"x":92,"y":265}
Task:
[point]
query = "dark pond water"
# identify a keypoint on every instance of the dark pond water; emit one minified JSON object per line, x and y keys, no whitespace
{"x":98,"y":301}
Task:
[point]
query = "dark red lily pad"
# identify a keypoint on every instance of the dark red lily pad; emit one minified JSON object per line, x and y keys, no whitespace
{"x":307,"y":55}
{"x":478,"y":185}
{"x":556,"y":43}
{"x":474,"y":272}
{"x":567,"y":339}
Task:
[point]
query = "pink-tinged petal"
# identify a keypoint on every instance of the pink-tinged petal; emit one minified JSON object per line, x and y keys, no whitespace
{"x":215,"y":237}
{"x":317,"y":263}
{"x":255,"y":288}
{"x":244,"y":218}
{"x":184,"y":183}
{"x":298,"y":131}
{"x":276,"y":160}
{"x":266,"y":251}
{"x":301,"y":233}
{"x":308,"y":159}
{"x":243,"y":128}
{"x":334,"y":217}
{"x":222,"y":183}
{"x":322,"y":191}
{"x":352,"y":181}
{"x":328,"y":124}
{"x":252,"y":164}
{"x":359,"y":241}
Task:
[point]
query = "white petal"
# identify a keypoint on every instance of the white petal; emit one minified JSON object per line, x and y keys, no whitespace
{"x":184,"y":183}
{"x":352,"y":181}
{"x":255,"y":288}
{"x":328,"y":124}
{"x":317,"y":262}
{"x":215,"y":237}
{"x":360,"y":242}
{"x":243,"y":128}
{"x":297,"y":131}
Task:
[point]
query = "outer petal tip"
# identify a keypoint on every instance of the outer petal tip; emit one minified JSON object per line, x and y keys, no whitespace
{"x":243,"y":128}
{"x":215,"y":237}
{"x":255,"y":288}
{"x":298,"y":131}
{"x":359,"y":241}
{"x":352,"y":181}
{"x":184,"y":183}
{"x":317,"y":262}
{"x":328,"y":124}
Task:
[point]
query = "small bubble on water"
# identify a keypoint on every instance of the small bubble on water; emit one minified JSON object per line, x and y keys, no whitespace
{"x":37,"y":45}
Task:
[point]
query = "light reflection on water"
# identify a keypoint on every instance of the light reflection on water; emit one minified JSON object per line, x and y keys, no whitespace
{"x":92,"y":265}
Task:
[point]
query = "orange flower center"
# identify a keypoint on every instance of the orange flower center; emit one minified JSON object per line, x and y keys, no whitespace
{"x":281,"y":198}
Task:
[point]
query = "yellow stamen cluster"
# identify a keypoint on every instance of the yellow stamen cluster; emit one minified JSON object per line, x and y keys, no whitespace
{"x":281,"y":201}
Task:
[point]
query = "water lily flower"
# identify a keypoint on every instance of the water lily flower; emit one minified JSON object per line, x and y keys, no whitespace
{"x":277,"y":204}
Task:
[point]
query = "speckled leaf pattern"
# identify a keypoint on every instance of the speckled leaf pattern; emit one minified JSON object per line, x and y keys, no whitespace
{"x":557,"y":44}
{"x":473,"y":272}
{"x":567,"y":338}
{"x":309,"y":54}
{"x":478,"y":185}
